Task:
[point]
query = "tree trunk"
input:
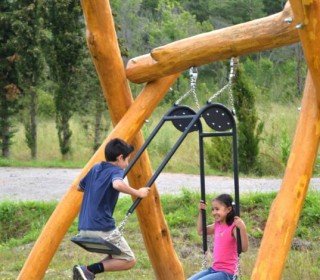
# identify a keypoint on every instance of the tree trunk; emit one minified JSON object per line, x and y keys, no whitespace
{"x":5,"y":131}
{"x":31,"y":124}
{"x":98,"y":123}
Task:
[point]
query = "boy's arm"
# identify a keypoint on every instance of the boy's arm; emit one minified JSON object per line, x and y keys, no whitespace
{"x":121,"y":186}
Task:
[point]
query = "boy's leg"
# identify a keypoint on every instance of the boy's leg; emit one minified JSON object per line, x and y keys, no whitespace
{"x":117,"y":264}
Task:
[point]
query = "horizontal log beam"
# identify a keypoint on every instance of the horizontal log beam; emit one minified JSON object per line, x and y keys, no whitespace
{"x":257,"y":35}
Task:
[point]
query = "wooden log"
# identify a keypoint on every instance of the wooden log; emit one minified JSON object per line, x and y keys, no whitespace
{"x":112,"y":76}
{"x":103,"y":44}
{"x":307,"y":16}
{"x":257,"y":35}
{"x":68,"y":208}
{"x":286,"y":208}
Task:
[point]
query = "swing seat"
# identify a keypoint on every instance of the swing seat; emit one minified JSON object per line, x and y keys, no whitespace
{"x":96,"y":245}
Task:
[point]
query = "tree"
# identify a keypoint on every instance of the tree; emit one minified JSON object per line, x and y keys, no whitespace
{"x":9,"y":90}
{"x":249,"y":127}
{"x":29,"y":34}
{"x":64,"y":53}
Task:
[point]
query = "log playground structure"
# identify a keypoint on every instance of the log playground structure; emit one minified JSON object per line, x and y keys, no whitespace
{"x":299,"y":21}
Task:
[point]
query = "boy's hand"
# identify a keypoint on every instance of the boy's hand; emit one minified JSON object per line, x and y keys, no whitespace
{"x":238,"y":222}
{"x":143,"y":192}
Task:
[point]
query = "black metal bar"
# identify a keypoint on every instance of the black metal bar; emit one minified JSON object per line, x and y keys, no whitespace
{"x":216,"y":134}
{"x":236,"y":182}
{"x":152,"y":135}
{"x":144,"y":146}
{"x":203,"y":194}
{"x":165,"y":161}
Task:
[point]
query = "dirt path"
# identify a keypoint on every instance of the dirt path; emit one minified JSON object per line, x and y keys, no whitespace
{"x":51,"y":184}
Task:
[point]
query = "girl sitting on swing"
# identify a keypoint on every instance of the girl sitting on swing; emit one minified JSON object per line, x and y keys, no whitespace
{"x":225,"y":259}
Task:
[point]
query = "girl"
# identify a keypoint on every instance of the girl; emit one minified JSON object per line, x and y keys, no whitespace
{"x":225,"y":239}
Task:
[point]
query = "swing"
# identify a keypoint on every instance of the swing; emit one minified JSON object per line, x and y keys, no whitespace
{"x":183,"y":119}
{"x":96,"y":245}
{"x":221,"y":120}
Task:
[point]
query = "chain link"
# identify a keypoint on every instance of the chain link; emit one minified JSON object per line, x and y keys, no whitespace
{"x":193,"y":74}
{"x":120,"y":229}
{"x":228,"y":86}
{"x":237,"y":272}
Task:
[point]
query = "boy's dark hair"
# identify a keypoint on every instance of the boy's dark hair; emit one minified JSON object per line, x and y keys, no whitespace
{"x":227,"y":200}
{"x":117,"y":147}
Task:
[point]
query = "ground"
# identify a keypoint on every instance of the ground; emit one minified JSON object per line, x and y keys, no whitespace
{"x":52,"y":183}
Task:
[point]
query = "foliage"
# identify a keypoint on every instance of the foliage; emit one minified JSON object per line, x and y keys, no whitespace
{"x":249,"y":127}
{"x":29,"y":34}
{"x":65,"y":50}
{"x":19,"y":221}
{"x":10,"y":92}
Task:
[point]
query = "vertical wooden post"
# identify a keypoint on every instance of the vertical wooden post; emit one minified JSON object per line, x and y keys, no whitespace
{"x":103,"y":45}
{"x":285,"y":211}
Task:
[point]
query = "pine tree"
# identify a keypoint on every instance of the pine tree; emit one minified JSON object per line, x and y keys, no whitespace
{"x":9,"y":90}
{"x":249,"y":127}
{"x":64,"y":53}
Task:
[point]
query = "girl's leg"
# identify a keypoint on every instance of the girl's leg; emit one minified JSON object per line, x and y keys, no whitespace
{"x":201,"y":274}
{"x":217,"y":276}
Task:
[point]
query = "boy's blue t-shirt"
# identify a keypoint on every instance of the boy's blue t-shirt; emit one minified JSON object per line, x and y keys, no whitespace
{"x":100,"y":198}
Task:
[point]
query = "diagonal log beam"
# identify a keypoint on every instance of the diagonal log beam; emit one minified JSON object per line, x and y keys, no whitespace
{"x":68,"y":208}
{"x":257,"y":35}
{"x":103,"y":45}
{"x":286,"y":208}
{"x":307,"y":15}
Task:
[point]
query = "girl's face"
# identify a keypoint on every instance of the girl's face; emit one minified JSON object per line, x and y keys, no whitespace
{"x":220,"y":211}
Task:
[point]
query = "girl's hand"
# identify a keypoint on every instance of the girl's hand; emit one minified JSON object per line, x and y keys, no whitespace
{"x":202,"y":205}
{"x":238,"y":222}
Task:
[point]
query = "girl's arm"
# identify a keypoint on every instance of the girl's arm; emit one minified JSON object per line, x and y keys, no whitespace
{"x":243,"y":233}
{"x":210,"y":228}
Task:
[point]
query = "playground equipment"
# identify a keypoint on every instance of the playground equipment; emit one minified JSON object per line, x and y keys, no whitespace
{"x":300,"y":21}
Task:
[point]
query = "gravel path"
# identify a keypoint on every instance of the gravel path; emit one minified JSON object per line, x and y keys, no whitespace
{"x":51,"y":184}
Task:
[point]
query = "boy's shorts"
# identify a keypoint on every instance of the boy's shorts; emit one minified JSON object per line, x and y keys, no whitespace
{"x":114,"y":237}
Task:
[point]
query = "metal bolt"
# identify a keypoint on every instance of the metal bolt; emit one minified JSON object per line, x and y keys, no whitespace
{"x":288,"y":20}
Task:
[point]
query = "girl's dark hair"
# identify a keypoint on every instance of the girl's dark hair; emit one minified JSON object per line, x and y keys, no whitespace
{"x":227,"y":200}
{"x":117,"y":147}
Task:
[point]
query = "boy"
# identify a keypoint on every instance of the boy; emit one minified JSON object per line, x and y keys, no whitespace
{"x":101,"y":187}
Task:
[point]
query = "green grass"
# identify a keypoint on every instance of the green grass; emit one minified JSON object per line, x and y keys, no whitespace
{"x":21,"y":222}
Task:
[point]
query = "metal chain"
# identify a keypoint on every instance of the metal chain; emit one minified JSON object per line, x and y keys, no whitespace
{"x":228,"y":86}
{"x":193,"y":74}
{"x":237,"y":272}
{"x":204,"y":263}
{"x":120,"y":228}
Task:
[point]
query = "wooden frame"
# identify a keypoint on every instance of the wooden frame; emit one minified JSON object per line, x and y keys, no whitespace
{"x":160,"y":69}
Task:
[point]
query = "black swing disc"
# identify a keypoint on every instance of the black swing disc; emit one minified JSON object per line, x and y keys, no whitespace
{"x":183,"y":122}
{"x":218,"y":117}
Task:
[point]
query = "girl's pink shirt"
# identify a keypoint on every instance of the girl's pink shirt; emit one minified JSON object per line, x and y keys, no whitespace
{"x":225,"y":255}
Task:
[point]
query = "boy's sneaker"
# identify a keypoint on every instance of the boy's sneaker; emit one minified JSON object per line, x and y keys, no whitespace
{"x":82,"y":273}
